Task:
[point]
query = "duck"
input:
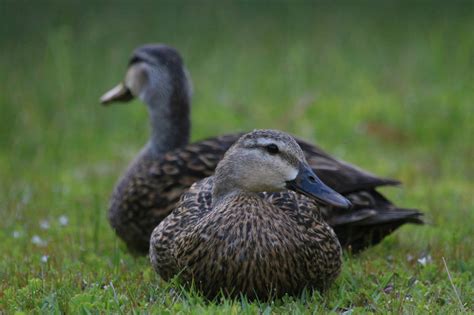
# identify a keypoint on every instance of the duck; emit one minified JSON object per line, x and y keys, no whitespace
{"x":254,"y":238}
{"x":168,"y":164}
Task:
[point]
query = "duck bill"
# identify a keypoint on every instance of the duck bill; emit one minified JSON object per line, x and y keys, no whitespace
{"x":308,"y":184}
{"x":119,"y":93}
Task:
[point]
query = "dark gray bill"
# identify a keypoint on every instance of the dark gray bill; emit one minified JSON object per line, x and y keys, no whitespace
{"x":308,"y":184}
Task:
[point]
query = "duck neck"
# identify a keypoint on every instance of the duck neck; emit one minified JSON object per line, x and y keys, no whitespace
{"x":169,"y":120}
{"x":221,"y":192}
{"x":224,"y":182}
{"x":226,"y":185}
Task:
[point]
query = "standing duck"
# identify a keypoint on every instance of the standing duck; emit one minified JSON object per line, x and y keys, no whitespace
{"x":168,"y":164}
{"x":246,"y":243}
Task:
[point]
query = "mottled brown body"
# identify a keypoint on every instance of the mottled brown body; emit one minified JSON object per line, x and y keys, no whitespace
{"x":263,"y":245}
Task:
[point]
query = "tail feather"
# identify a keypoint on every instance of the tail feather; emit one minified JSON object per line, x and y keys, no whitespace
{"x":371,"y":219}
{"x":367,"y":217}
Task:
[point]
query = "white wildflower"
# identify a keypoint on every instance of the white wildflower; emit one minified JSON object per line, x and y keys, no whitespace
{"x":63,"y":220}
{"x":16,"y":234}
{"x":38,"y":241}
{"x":44,"y":224}
{"x":44,"y":258}
{"x":425,"y":260}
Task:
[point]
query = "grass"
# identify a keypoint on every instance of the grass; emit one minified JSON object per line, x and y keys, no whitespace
{"x":388,"y":87}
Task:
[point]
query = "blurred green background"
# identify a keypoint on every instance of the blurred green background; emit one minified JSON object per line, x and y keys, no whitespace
{"x":387,"y":86}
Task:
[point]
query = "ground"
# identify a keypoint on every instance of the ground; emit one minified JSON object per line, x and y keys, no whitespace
{"x":388,"y":87}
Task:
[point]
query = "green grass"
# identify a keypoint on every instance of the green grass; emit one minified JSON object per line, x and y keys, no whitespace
{"x":388,"y":87}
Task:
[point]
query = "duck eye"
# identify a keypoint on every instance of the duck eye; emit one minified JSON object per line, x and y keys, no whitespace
{"x":272,"y":148}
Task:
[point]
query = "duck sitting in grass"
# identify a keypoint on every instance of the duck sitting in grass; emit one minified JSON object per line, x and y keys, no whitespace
{"x":168,"y":164}
{"x":237,"y":241}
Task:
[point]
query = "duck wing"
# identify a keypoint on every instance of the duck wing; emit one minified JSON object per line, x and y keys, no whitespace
{"x":339,"y":175}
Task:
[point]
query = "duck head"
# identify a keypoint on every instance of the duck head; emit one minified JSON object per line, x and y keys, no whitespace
{"x":155,"y":73}
{"x":270,"y":160}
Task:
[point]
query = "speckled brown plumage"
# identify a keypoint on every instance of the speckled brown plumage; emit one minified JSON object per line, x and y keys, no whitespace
{"x":152,"y":185}
{"x":261,"y":245}
{"x":167,"y":165}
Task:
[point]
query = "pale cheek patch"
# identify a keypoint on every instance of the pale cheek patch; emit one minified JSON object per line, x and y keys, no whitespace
{"x":285,"y":170}
{"x":136,"y":79}
{"x":291,"y":174}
